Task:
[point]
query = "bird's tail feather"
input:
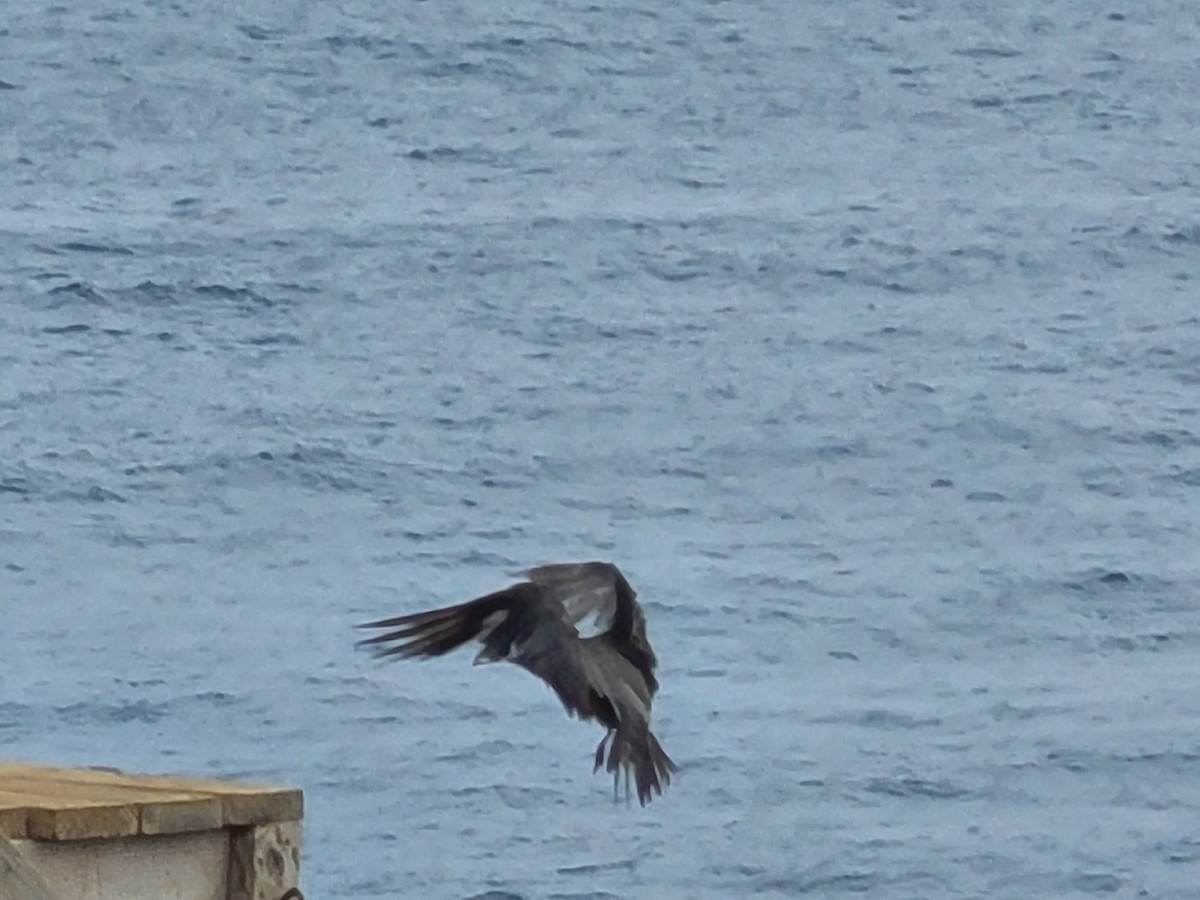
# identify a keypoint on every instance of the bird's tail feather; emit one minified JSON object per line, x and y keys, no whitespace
{"x":641,"y":755}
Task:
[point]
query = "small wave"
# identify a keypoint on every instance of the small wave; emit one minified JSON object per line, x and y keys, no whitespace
{"x":942,"y":789}
{"x":259,"y":33}
{"x":1093,"y":580}
{"x":273,"y":340}
{"x":512,"y":796}
{"x":619,"y":865}
{"x":1189,"y":477}
{"x":819,"y":881}
{"x":986,"y":497}
{"x":84,"y":247}
{"x":880,"y":718}
{"x":15,"y":715}
{"x":17,"y":485}
{"x":80,"y":290}
{"x":105,"y":713}
{"x":482,"y":750}
{"x":243,"y":295}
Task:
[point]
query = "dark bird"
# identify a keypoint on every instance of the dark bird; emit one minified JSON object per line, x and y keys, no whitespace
{"x":608,"y":676}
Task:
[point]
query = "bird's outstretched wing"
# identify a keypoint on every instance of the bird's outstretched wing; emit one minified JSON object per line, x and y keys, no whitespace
{"x":601,"y":589}
{"x":439,"y":631}
{"x":518,"y":624}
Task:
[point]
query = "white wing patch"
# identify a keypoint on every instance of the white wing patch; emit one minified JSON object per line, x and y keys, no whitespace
{"x":490,"y":623}
{"x":586,"y":590}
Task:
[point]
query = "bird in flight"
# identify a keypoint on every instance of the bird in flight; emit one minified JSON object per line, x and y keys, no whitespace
{"x":608,"y":677}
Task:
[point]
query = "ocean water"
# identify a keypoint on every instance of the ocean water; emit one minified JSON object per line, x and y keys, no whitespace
{"x":863,"y":336}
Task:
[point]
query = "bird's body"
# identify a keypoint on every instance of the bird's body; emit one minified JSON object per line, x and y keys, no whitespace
{"x":608,"y":677}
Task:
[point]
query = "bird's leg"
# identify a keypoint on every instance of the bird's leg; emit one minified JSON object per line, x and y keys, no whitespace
{"x":614,"y":766}
{"x":600,"y":751}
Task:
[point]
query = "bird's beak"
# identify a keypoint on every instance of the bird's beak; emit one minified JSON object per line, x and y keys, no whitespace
{"x":485,"y":656}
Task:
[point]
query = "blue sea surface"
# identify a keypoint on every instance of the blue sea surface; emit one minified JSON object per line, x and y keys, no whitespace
{"x":863,"y":336}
